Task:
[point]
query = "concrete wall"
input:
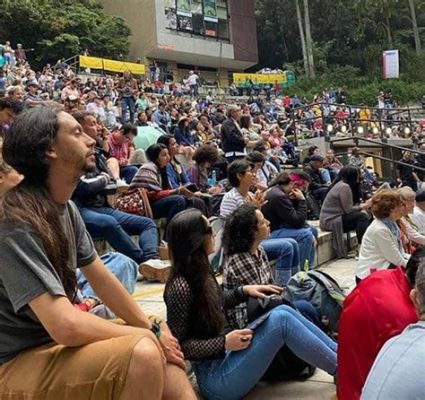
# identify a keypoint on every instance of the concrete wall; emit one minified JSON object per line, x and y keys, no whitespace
{"x":141,"y":18}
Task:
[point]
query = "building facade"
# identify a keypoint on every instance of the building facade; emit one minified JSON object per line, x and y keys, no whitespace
{"x":214,"y":37}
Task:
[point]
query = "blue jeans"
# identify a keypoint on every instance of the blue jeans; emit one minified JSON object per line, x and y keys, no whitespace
{"x":117,"y":226}
{"x":123,"y":267}
{"x":286,"y":254}
{"x":168,"y":207}
{"x":234,"y":376}
{"x":127,"y":102}
{"x":127,"y":172}
{"x":305,"y":239}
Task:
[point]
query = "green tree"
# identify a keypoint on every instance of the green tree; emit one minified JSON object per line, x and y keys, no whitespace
{"x":56,"y":29}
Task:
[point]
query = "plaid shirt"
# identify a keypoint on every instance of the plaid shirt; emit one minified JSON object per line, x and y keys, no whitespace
{"x":245,"y":269}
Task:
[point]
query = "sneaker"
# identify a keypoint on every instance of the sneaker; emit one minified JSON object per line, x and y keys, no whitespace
{"x":155,"y":270}
{"x":122,"y":184}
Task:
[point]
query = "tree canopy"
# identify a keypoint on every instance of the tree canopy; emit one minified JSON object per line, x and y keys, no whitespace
{"x":57,"y":29}
{"x":348,"y":38}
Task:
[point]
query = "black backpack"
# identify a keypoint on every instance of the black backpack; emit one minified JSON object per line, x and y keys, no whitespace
{"x":323,"y":292}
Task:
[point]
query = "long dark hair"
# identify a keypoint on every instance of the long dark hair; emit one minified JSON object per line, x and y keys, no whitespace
{"x":239,"y":230}
{"x":351,"y":176}
{"x":30,"y":203}
{"x":186,"y":233}
{"x":152,"y":153}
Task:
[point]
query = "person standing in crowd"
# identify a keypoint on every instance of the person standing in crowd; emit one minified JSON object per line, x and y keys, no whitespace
{"x":286,"y":210}
{"x":377,"y":309}
{"x":228,"y":364}
{"x":406,"y":173}
{"x":342,"y":212}
{"x":381,"y":245}
{"x":233,"y":140}
{"x":128,"y":89}
{"x":45,"y":339}
{"x":20,"y":54}
{"x":397,"y":370}
{"x":193,"y":82}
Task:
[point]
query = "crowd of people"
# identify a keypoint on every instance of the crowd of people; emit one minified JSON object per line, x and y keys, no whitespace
{"x":228,"y":184}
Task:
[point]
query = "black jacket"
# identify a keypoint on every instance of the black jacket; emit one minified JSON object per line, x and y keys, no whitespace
{"x":231,"y":137}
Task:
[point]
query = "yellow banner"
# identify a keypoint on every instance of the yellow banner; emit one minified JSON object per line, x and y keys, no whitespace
{"x":111,"y":65}
{"x":91,"y":62}
{"x":262,"y":79}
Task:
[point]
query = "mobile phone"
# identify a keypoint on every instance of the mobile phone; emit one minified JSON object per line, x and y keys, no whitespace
{"x":256,"y":323}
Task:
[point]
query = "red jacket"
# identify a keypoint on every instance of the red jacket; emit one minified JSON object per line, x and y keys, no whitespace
{"x":375,"y":311}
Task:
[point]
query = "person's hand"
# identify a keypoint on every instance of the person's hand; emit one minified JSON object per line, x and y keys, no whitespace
{"x":124,"y":162}
{"x":215,"y":190}
{"x":259,"y":199}
{"x":238,"y":339}
{"x":296,"y":194}
{"x":367,"y":204}
{"x":184,"y":191}
{"x":171,"y":347}
{"x":261,"y":291}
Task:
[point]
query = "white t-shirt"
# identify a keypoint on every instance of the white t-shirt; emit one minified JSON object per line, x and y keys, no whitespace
{"x":193,"y":79}
{"x":418,"y":218}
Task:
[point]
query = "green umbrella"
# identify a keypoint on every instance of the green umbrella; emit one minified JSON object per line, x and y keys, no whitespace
{"x":146,"y":135}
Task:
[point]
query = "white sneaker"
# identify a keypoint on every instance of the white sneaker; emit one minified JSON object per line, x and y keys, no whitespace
{"x":122,"y":184}
{"x":156,"y":270}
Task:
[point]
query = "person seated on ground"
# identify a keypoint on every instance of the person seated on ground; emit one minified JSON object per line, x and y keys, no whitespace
{"x":334,"y":164}
{"x":311,"y":151}
{"x":228,"y":364}
{"x":121,"y":147}
{"x":381,"y":245}
{"x":284,"y":251}
{"x":49,"y":348}
{"x":418,"y":215}
{"x":204,"y":158}
{"x":286,"y":210}
{"x":398,"y":369}
{"x":248,"y":131}
{"x":182,"y":133}
{"x":111,"y":165}
{"x":152,"y":176}
{"x":377,"y":309}
{"x":342,"y":212}
{"x":177,"y":175}
{"x":116,"y":227}
{"x":264,"y":170}
{"x":318,"y":186}
{"x":246,"y":261}
{"x":411,"y":238}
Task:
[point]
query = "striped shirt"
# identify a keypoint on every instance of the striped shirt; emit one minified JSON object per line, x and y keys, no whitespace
{"x":231,"y":201}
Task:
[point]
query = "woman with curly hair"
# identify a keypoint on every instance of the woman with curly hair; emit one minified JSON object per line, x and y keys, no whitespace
{"x":229,"y":363}
{"x":381,"y":246}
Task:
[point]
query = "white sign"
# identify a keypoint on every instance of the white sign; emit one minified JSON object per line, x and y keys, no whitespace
{"x":390,"y":64}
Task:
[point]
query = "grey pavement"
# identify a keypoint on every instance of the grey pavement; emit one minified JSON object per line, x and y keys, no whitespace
{"x":319,"y":386}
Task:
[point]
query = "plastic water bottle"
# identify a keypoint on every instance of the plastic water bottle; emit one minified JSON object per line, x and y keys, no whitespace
{"x":213,"y":178}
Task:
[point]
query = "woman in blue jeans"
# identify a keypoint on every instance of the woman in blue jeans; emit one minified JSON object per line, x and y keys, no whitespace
{"x":228,"y":364}
{"x":286,"y":210}
{"x":284,"y":251}
{"x":165,"y":201}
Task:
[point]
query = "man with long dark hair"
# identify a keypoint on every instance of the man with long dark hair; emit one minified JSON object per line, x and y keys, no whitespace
{"x":48,"y":348}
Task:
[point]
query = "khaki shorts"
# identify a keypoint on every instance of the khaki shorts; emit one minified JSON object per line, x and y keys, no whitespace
{"x":96,"y":371}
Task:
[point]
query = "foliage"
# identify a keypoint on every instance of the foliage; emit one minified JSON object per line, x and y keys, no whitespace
{"x":349,"y":38}
{"x":56,"y":29}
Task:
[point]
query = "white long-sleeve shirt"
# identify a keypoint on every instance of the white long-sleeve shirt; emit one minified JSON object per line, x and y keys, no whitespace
{"x":379,"y":249}
{"x":418,"y":217}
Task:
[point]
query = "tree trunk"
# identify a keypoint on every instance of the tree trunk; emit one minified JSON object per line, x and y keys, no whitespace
{"x":302,"y":37}
{"x":415,"y":27}
{"x":308,"y":40}
{"x":389,"y":34}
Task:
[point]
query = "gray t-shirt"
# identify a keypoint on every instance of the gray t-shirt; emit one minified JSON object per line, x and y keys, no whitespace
{"x":398,"y":371}
{"x":26,"y":273}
